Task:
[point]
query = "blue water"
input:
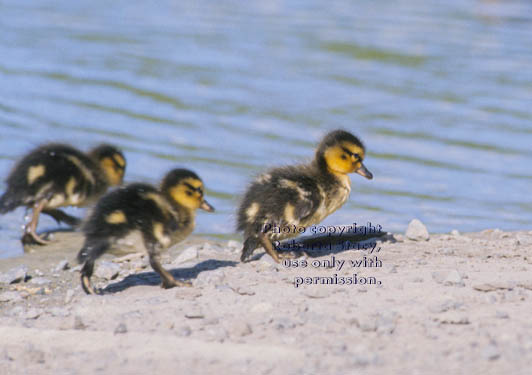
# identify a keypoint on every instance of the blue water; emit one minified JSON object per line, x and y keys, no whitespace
{"x":440,"y":92}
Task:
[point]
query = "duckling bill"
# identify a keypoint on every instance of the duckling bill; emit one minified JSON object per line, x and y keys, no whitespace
{"x":58,"y":175}
{"x":163,"y":216}
{"x":301,"y":195}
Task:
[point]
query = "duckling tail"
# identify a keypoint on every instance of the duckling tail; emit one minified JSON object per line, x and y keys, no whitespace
{"x":92,"y":250}
{"x":250,"y":245}
{"x":8,"y":202}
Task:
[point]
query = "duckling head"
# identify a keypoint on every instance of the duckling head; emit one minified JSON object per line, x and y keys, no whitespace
{"x":111,"y":161}
{"x":340,"y":152}
{"x":185,"y":188}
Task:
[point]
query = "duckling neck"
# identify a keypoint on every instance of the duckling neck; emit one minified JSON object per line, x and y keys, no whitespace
{"x":343,"y":179}
{"x":186,"y":217}
{"x":101,"y":181}
{"x":323,"y":169}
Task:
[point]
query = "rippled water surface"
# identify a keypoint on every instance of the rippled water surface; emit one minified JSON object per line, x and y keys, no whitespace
{"x":440,"y":92}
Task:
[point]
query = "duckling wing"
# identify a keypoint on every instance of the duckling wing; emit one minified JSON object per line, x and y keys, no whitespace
{"x":136,"y":208}
{"x":284,"y":196}
{"x":301,"y":198}
{"x":123,"y":210}
{"x":56,"y":172}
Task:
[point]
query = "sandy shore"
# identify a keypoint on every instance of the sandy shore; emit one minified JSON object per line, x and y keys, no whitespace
{"x":458,"y":304}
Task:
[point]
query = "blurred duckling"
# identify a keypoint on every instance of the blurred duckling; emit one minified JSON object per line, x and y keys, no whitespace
{"x":163,"y":217}
{"x":57,"y":175}
{"x":300,"y":195}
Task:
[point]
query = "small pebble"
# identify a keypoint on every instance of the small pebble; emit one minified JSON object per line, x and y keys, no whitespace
{"x":240,"y":329}
{"x":399,"y":237}
{"x":184,"y":331}
{"x":10,"y":296}
{"x":491,"y":352}
{"x":316,"y":293}
{"x":386,"y":322}
{"x":417,"y":231}
{"x":234,"y":244}
{"x":447,"y":251}
{"x":453,"y":278}
{"x":69,"y":296}
{"x":62,"y":266}
{"x":367,"y":324}
{"x":501,"y":315}
{"x":58,"y":312}
{"x":186,"y":255}
{"x":107,"y":270}
{"x":38,"y":272}
{"x":78,"y":323}
{"x":14,"y":275}
{"x":120,"y":329}
{"x":194,"y":312}
{"x":33,"y":313}
{"x":392,"y":269}
{"x":244,"y":291}
{"x":261,"y":307}
{"x":39,"y":281}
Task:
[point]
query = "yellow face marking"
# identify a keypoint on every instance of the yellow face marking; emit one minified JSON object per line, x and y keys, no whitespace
{"x":112,"y":172}
{"x":192,"y":181}
{"x":116,"y":217}
{"x":158,"y":233}
{"x":252,"y":211}
{"x":82,"y":167}
{"x":186,"y":194}
{"x":119,"y":160}
{"x":341,"y":162}
{"x":35,"y":172}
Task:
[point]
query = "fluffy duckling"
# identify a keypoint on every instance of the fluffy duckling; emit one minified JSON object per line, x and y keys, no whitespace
{"x":301,"y":195}
{"x":57,"y":175}
{"x":163,"y":216}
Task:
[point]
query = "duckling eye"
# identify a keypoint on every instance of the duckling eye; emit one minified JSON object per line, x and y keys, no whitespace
{"x":344,"y":157}
{"x":189,"y":193}
{"x":357,"y":156}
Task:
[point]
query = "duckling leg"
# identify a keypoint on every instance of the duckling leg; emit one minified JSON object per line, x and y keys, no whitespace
{"x":168,"y":280}
{"x":277,"y":256}
{"x":250,"y":244}
{"x":267,"y":244}
{"x":61,"y":216}
{"x":30,"y":236}
{"x":86,"y":273}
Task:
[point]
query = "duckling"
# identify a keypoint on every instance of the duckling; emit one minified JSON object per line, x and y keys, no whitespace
{"x":299,"y":196}
{"x":163,"y":216}
{"x":57,"y":175}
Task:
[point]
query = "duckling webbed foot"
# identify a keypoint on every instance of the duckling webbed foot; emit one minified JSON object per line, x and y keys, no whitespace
{"x":86,"y":273}
{"x":170,"y":284}
{"x":289,"y":254}
{"x":250,"y":245}
{"x":60,"y":216}
{"x":167,"y":279}
{"x":268,"y":246}
{"x":30,"y":236}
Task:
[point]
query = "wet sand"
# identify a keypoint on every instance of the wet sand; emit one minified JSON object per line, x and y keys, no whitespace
{"x":455,"y":304}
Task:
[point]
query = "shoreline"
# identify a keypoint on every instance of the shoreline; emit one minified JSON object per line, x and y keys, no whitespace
{"x":455,"y":303}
